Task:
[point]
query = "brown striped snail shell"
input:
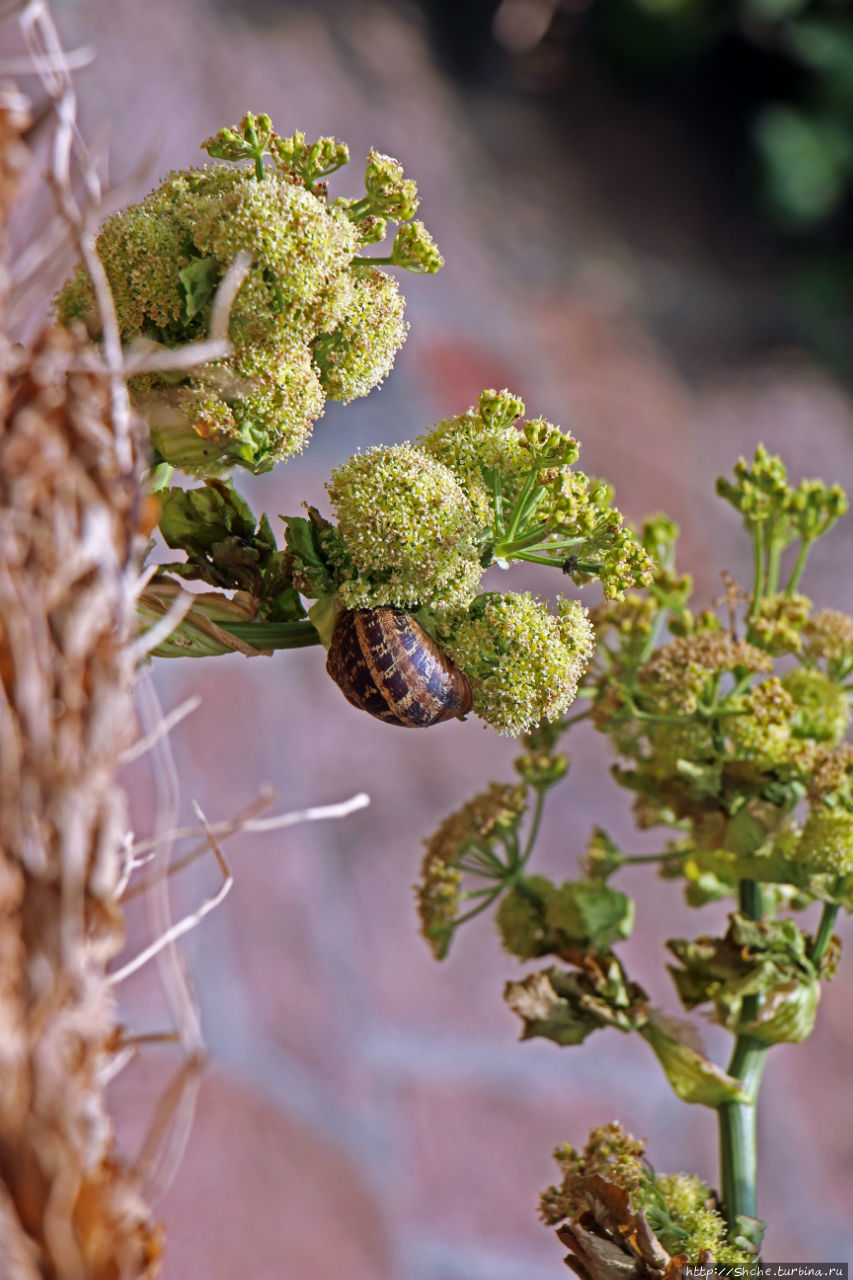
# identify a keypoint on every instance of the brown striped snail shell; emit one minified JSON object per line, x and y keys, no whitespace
{"x":384,"y":662}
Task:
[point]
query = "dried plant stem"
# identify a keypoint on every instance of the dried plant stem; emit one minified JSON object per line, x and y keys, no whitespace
{"x":67,"y":515}
{"x":69,"y":494}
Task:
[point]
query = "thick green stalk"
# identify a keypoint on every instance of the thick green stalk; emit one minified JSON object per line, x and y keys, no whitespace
{"x":273,"y":635}
{"x":738,"y":1120}
{"x":738,"y":1133}
{"x":823,"y":937}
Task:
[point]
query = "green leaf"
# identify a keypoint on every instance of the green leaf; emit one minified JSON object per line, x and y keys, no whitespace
{"x":755,"y":958}
{"x":283,"y":606}
{"x":521,"y":922}
{"x":749,"y":1232}
{"x":265,"y":535}
{"x":744,"y":833}
{"x":787,"y":1015}
{"x":693,"y":1077}
{"x":194,"y":520}
{"x":591,"y":914}
{"x":303,"y":542}
{"x":200,"y":280}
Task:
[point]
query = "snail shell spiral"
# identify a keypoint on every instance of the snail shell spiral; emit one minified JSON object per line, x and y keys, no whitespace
{"x":385,"y":663}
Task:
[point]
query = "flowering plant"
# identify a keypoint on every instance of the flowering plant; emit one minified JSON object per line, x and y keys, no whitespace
{"x":728,"y":724}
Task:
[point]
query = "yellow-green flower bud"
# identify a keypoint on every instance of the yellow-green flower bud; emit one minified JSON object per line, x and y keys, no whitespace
{"x":310,"y":162}
{"x":390,"y":193}
{"x":763,"y":732}
{"x":415,"y":250}
{"x":779,"y":621}
{"x":499,"y":408}
{"x":549,"y":445}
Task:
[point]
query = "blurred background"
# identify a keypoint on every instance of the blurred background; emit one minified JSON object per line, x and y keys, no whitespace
{"x":645,"y":210}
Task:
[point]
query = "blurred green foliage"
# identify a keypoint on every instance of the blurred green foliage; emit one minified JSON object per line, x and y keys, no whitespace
{"x":788,"y":65}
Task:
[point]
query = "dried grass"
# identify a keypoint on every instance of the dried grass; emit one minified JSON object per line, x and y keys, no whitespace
{"x":68,"y":568}
{"x":74,"y":519}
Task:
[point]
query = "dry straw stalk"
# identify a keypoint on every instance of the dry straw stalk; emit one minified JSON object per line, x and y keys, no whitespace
{"x":68,"y":577}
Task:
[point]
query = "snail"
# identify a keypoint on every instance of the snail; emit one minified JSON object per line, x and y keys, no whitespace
{"x":384,"y":662}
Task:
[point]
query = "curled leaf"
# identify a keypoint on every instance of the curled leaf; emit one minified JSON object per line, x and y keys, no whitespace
{"x":693,"y":1077}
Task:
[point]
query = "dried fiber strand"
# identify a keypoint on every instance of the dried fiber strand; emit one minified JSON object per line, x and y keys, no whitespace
{"x":68,"y":564}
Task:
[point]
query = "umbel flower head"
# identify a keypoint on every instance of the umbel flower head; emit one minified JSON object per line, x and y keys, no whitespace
{"x":666,"y":1217}
{"x":523,"y":662}
{"x":408,"y":530}
{"x":313,"y":320}
{"x":416,"y":525}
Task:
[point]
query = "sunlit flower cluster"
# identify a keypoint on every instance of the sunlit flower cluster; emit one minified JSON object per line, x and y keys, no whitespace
{"x":313,"y":319}
{"x":523,"y":661}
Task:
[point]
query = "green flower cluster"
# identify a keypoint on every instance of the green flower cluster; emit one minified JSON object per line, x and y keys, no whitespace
{"x":407,"y":531}
{"x":480,"y":839}
{"x":523,"y":662}
{"x":730,"y":729}
{"x":313,"y":320}
{"x":611,"y":1183}
{"x":725,"y":733}
{"x":414,"y":528}
{"x":826,"y":840}
{"x":416,"y":525}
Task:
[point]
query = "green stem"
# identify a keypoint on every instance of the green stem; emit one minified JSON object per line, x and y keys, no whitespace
{"x":738,"y":1120}
{"x":582,"y":715}
{"x":823,"y":937}
{"x":356,"y":212}
{"x":738,"y":1137}
{"x":799,"y":566}
{"x":529,"y":558}
{"x":774,"y":560}
{"x":273,"y":635}
{"x":498,"y":504}
{"x":534,"y":827}
{"x":636,"y":859}
{"x":758,"y":565}
{"x":520,"y":509}
{"x":530,"y":541}
{"x":654,"y":635}
{"x":487,"y":902}
{"x":375,"y":262}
